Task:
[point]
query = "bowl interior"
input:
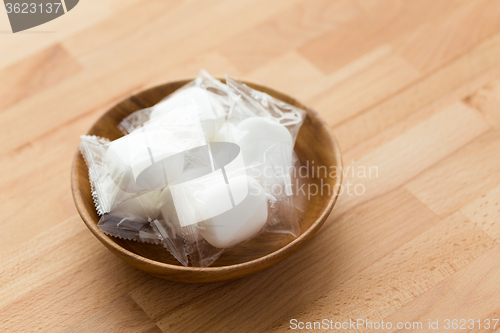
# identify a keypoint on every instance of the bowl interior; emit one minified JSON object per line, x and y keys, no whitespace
{"x":315,"y":145}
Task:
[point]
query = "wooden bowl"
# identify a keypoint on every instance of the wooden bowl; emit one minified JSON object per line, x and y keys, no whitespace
{"x":314,"y":143}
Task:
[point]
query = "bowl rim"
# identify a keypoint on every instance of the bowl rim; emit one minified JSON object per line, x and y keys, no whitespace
{"x":279,"y":253}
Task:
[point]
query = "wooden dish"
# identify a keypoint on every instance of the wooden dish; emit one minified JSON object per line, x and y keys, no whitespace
{"x":314,"y":143}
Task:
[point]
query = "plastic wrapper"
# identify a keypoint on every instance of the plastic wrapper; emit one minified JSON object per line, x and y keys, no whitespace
{"x":204,"y":90}
{"x":205,"y":169}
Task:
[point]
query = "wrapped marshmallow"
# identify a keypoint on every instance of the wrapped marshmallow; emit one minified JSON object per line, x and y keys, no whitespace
{"x":130,"y":219}
{"x":196,"y":171}
{"x":243,"y":221}
{"x":212,"y":97}
{"x":211,"y":113}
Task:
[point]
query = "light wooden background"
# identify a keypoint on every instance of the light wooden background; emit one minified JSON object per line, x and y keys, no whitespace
{"x":412,"y":87}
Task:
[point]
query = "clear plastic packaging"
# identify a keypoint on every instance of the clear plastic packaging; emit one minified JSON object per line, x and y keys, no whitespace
{"x":205,"y":91}
{"x":203,"y":170}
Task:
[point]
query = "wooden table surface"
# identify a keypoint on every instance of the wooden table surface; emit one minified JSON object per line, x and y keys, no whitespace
{"x":409,"y":88}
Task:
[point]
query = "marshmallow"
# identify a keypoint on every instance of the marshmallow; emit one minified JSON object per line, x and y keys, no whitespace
{"x":169,"y":215}
{"x":240,"y":223}
{"x":152,"y":156}
{"x":204,"y":196}
{"x":210,"y":110}
{"x":227,"y":133}
{"x":256,"y":136}
{"x":222,"y":204}
{"x":141,"y":208}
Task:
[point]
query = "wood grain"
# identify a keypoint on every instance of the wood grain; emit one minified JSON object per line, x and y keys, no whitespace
{"x":411,"y":87}
{"x":35,"y":73}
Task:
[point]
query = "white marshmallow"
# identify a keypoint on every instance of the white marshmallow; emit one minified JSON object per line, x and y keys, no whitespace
{"x":240,"y":223}
{"x":144,"y":206}
{"x":259,"y":134}
{"x":171,"y":219}
{"x":129,"y":158}
{"x":203,"y":197}
{"x":227,"y":133}
{"x":210,"y":110}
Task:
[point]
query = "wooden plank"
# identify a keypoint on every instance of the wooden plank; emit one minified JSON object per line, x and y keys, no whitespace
{"x":73,"y":101}
{"x":383,"y":24}
{"x":404,"y":274}
{"x":461,"y":177}
{"x":356,"y":66}
{"x":401,"y":159}
{"x":56,"y":275}
{"x":122,"y":315}
{"x":213,"y":62}
{"x":120,"y":28}
{"x":485,"y":212}
{"x":435,"y":43}
{"x":375,"y":83}
{"x":33,"y":74}
{"x":403,"y":125}
{"x":208,"y":25}
{"x":32,"y":191}
{"x":290,"y":73}
{"x":286,"y":31}
{"x":471,"y":293}
{"x":487,"y":101}
{"x":480,"y":60}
